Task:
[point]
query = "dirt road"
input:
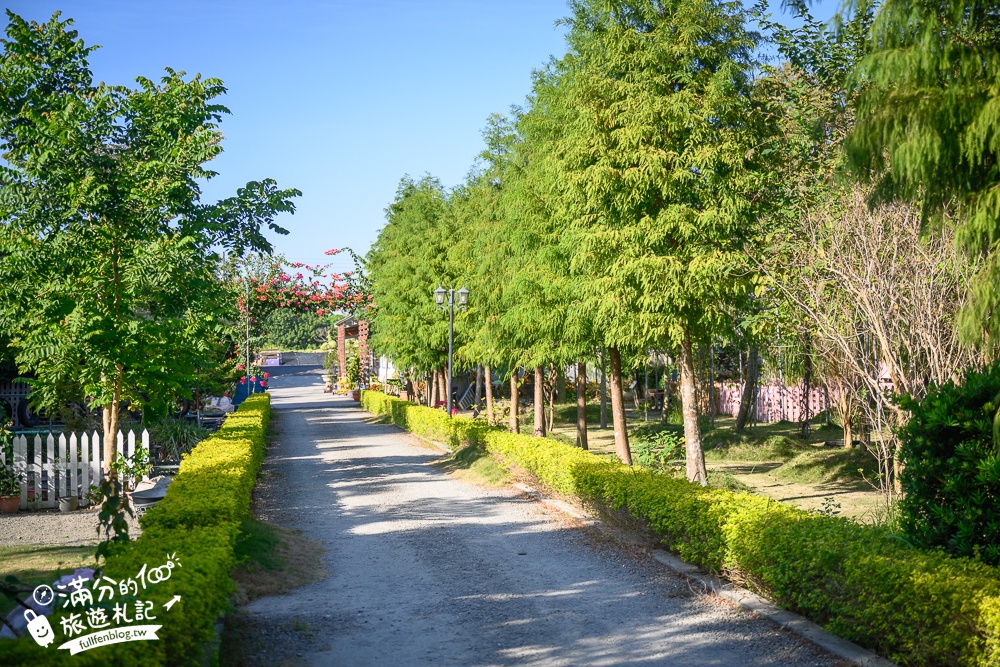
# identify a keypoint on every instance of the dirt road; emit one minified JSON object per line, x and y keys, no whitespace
{"x":427,"y":570}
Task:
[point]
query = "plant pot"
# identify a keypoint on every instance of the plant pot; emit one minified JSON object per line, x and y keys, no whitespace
{"x":8,"y":504}
{"x":68,"y":504}
{"x":356,"y":395}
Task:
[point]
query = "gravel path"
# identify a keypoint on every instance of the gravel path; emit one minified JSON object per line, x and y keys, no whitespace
{"x":426,"y":570}
{"x":49,"y":527}
{"x":54,"y":528}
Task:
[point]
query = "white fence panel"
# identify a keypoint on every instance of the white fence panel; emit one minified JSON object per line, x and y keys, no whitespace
{"x":63,"y":466}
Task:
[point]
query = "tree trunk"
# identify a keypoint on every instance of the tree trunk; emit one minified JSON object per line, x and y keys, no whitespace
{"x":581,"y":404}
{"x":550,"y":419}
{"x":846,"y":406}
{"x":442,"y":387}
{"x":109,"y":417}
{"x":539,"y":430}
{"x":515,"y":426}
{"x":806,"y":381}
{"x":604,"y":389}
{"x":479,"y":385}
{"x":897,"y":469}
{"x":618,"y":408}
{"x":749,"y":389}
{"x":692,"y":433}
{"x":488,"y":372}
{"x":433,"y":397}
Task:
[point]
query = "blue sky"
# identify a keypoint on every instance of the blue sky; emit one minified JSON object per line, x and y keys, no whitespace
{"x":339,"y":99}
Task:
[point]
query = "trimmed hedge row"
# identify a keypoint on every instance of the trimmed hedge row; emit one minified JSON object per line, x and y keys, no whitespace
{"x":198,"y":521}
{"x":862,"y":583}
{"x":426,"y":422}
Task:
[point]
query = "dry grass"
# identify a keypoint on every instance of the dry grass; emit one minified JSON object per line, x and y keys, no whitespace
{"x":473,"y":465}
{"x":275,"y":560}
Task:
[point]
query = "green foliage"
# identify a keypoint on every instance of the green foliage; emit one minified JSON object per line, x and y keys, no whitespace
{"x":928,"y":123}
{"x":130,"y":470}
{"x":108,"y":287}
{"x":406,"y":263}
{"x":353,"y":364}
{"x":290,"y":330}
{"x":919,"y":608}
{"x":429,"y":423}
{"x":198,"y":522}
{"x":664,"y":163}
{"x":658,"y":449}
{"x":112,"y":526}
{"x":10,"y":479}
{"x":176,"y":436}
{"x":951,"y":474}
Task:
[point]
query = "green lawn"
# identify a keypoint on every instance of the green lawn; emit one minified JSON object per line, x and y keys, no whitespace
{"x":34,"y":565}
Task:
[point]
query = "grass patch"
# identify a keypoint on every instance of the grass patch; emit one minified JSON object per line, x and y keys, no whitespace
{"x":566,"y":412}
{"x":34,"y":565}
{"x":474,"y":465}
{"x":725,"y":480}
{"x":727,"y":446}
{"x":273,"y":560}
{"x":823,"y":467}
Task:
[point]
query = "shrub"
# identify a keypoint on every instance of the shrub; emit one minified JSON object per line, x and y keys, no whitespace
{"x":951,"y":474}
{"x":658,"y":449}
{"x":863,"y":583}
{"x":426,"y":422}
{"x":198,"y":521}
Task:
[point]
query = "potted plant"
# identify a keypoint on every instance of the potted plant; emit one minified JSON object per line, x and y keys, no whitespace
{"x":354,"y":376}
{"x":10,"y":489}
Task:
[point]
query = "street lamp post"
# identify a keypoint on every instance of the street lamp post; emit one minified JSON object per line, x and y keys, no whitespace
{"x":463,"y":299}
{"x":246,"y":303}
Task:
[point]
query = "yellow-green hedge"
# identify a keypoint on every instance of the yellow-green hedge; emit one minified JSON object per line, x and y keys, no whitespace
{"x":860,"y":582}
{"x":423,"y":421}
{"x":198,"y":520}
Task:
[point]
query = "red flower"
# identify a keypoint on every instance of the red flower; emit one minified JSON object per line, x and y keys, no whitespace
{"x":266,"y":375}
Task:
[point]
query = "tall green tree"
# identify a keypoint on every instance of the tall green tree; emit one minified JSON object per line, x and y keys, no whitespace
{"x":108,"y":272}
{"x":408,"y":260}
{"x":928,"y":125}
{"x":668,"y":169}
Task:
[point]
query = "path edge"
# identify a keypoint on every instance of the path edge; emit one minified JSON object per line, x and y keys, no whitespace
{"x":797,"y":625}
{"x":746,"y":599}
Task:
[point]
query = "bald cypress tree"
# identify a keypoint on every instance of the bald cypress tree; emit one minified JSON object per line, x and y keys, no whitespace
{"x":667,"y":170}
{"x":928,"y":125}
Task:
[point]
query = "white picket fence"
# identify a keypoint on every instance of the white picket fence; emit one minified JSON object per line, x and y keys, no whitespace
{"x":62,"y":466}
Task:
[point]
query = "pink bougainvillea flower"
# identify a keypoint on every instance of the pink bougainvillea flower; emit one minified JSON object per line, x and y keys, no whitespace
{"x":263,"y":384}
{"x":243,"y":380}
{"x":266,"y":375}
{"x":253,"y":378}
{"x":332,"y":251}
{"x":240,"y":367}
